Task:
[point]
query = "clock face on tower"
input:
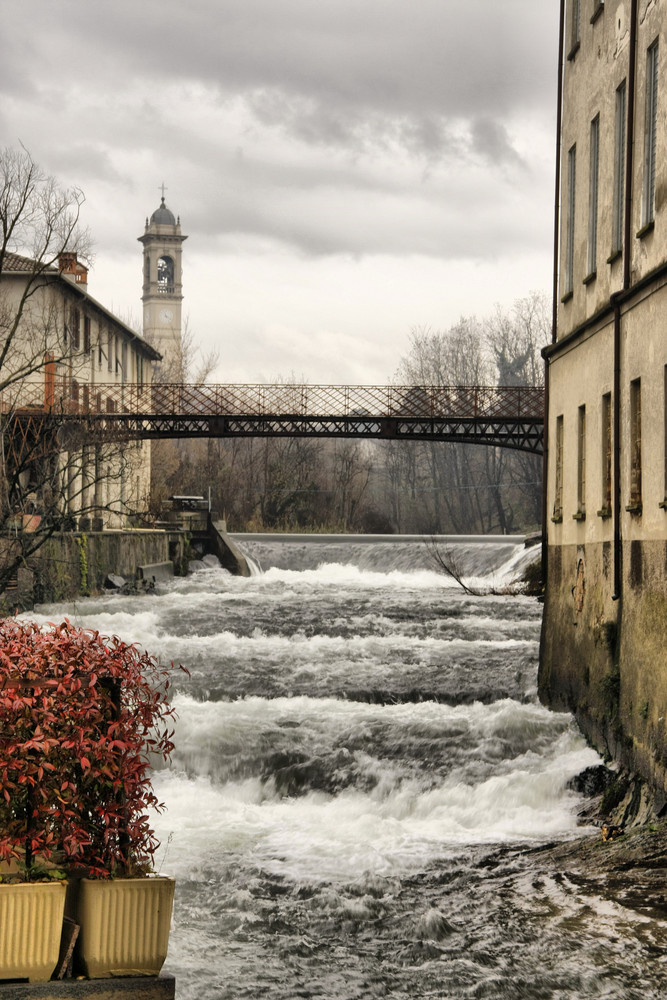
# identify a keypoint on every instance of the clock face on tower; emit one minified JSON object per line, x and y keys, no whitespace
{"x":166,"y":315}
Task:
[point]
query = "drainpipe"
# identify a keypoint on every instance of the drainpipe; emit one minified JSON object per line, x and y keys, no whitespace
{"x":559,"y":120}
{"x":616,"y":304}
{"x":554,"y":321}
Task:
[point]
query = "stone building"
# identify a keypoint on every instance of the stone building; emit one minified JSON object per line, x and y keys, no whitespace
{"x":605,"y":625}
{"x":72,"y":355}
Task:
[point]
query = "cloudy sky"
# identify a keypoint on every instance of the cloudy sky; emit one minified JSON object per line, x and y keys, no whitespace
{"x":346,"y":170}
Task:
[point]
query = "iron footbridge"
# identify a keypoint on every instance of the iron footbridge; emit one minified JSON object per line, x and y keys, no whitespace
{"x":500,"y":416}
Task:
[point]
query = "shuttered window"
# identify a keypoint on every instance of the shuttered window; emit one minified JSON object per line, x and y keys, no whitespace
{"x":664,"y":407}
{"x":618,"y":207}
{"x":635,"y":446}
{"x":606,"y":456}
{"x":75,"y":328}
{"x":594,"y":171}
{"x":576,"y":23}
{"x":581,"y":463}
{"x":569,"y":236}
{"x":650,"y":134}
{"x":558,"y":478}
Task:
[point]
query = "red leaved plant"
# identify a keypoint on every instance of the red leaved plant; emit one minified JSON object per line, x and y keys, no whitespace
{"x":81,"y":715}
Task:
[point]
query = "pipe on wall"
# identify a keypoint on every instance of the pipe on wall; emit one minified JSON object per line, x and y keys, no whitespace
{"x":616,"y":304}
{"x":554,"y":321}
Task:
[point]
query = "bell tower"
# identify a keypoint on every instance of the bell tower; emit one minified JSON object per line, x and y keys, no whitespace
{"x":162,"y":287}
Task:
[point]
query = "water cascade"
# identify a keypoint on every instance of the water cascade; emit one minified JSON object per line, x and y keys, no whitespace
{"x":362,"y":775}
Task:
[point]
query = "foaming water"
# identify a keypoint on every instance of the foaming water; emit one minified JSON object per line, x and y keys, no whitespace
{"x":362,"y":772}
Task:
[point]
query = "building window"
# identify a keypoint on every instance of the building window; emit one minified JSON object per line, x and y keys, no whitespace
{"x":580,"y":514}
{"x":575,"y":29}
{"x":594,"y":171}
{"x":650,"y":135}
{"x":75,"y":328}
{"x":664,"y":406}
{"x":635,"y":505}
{"x":606,"y":457}
{"x":86,"y":334}
{"x":569,"y":221}
{"x":558,"y":485}
{"x":618,"y":206}
{"x":109,"y":351}
{"x":664,"y":502}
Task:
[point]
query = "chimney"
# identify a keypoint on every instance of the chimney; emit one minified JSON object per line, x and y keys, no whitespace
{"x":70,"y":266}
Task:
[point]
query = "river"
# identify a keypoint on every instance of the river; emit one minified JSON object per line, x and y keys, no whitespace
{"x":362,"y":779}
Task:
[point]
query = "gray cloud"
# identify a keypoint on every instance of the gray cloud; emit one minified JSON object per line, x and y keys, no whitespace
{"x":308,"y":128}
{"x":395,"y":55}
{"x":491,"y":141}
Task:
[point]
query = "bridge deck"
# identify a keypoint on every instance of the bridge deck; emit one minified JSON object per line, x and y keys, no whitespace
{"x":507,"y":416}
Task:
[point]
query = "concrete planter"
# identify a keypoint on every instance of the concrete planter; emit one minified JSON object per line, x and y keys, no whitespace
{"x":124,"y":925}
{"x":31,"y":921}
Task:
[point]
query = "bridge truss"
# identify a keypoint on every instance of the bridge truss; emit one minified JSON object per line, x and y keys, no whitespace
{"x":500,"y":416}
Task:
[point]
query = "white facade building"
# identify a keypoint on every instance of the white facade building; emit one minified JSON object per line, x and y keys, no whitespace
{"x":605,"y":625}
{"x":71,"y":354}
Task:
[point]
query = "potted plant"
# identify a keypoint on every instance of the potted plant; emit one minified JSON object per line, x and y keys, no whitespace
{"x":97,"y":712}
{"x":32,"y":891}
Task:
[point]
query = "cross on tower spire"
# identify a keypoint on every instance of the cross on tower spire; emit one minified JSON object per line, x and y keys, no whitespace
{"x":162,"y":188}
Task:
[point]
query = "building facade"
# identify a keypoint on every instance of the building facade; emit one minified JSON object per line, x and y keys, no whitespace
{"x":605,"y":624}
{"x":70,"y":355}
{"x":163,"y":289}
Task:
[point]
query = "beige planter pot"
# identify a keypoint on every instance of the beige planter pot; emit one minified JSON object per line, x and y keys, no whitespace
{"x":124,"y":925}
{"x":31,"y":921}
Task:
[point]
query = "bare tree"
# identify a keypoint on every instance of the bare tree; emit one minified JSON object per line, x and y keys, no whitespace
{"x":40,"y":221}
{"x":515,"y":338}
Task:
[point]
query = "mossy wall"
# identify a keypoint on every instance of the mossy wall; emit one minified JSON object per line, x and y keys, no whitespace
{"x":74,"y":564}
{"x":603,"y":659}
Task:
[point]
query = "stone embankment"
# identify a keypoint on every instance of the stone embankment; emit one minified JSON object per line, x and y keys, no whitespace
{"x":76,"y":564}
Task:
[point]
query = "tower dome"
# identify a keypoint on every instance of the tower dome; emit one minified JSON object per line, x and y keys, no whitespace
{"x":162,"y":216}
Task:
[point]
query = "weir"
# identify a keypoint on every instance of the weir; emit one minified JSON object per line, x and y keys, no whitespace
{"x":364,"y":781}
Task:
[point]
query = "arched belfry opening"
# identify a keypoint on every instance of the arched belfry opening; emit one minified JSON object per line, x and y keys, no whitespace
{"x":165,"y":275}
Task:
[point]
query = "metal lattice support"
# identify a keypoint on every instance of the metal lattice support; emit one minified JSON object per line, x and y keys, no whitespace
{"x":503,"y":416}
{"x":28,"y":438}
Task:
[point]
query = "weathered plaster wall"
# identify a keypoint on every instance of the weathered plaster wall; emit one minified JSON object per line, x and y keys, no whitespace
{"x":605,"y":660}
{"x":593,"y":72}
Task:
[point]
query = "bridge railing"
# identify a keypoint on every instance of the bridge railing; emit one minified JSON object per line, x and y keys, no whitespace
{"x":402,"y":401}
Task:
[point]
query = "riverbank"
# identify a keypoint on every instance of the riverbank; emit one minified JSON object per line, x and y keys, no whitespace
{"x":628,"y":870}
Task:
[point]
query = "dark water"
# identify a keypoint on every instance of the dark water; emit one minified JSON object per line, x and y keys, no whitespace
{"x":362,"y":778}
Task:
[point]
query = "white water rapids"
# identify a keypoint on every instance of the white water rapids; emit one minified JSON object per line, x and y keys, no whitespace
{"x":361,"y":771}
